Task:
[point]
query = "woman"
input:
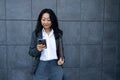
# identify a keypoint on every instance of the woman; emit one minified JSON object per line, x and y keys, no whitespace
{"x":48,"y":53}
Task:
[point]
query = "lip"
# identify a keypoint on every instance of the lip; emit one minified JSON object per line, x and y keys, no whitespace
{"x":46,"y":25}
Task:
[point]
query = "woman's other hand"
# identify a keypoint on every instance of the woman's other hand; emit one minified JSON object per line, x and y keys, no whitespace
{"x":60,"y":61}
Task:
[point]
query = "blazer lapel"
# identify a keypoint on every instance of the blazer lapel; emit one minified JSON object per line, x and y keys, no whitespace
{"x":40,"y":35}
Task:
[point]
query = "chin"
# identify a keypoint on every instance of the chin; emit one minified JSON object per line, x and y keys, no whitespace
{"x":46,"y":27}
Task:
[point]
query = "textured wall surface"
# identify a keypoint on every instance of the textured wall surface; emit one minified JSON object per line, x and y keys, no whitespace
{"x":91,"y":37}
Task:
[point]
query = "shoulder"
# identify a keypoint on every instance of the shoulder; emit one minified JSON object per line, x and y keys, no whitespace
{"x":33,"y":35}
{"x":60,"y":35}
{"x":36,"y":34}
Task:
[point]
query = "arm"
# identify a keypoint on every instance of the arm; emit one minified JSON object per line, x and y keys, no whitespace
{"x":61,"y":49}
{"x":33,"y":46}
{"x":61,"y":52}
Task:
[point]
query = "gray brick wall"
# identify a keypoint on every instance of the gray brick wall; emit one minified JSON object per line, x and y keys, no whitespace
{"x":91,"y":37}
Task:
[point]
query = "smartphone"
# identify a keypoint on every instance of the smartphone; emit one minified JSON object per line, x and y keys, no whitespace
{"x":42,"y":41}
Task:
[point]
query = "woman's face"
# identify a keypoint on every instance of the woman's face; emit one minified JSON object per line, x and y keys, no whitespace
{"x":45,"y":21}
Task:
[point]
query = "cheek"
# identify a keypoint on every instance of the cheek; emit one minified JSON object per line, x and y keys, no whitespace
{"x":50,"y":23}
{"x":42,"y":22}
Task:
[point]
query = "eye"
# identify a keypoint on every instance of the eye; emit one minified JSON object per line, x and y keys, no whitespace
{"x":43,"y":19}
{"x":49,"y":20}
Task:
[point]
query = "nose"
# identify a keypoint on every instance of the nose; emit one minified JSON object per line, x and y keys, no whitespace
{"x":46,"y":21}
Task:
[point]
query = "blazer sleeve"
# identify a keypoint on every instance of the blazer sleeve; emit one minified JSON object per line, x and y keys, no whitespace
{"x":61,"y":48}
{"x":33,"y":46}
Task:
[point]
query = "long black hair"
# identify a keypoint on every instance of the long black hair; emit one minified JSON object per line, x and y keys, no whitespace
{"x":54,"y":21}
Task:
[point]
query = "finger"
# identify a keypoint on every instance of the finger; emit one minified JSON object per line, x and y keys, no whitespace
{"x":61,"y":59}
{"x":43,"y":45}
{"x":39,"y":45}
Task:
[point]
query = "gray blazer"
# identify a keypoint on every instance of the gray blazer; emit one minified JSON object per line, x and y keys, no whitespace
{"x":36,"y":54}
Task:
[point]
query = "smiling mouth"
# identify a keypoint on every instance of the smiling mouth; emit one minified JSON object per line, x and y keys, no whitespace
{"x":46,"y":24}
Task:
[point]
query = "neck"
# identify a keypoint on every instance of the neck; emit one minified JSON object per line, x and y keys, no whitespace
{"x":48,"y":31}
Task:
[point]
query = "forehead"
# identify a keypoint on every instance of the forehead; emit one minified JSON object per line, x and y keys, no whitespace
{"x":46,"y":15}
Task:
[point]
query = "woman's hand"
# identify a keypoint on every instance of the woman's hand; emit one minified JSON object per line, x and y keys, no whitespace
{"x":40,"y":47}
{"x":60,"y":61}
